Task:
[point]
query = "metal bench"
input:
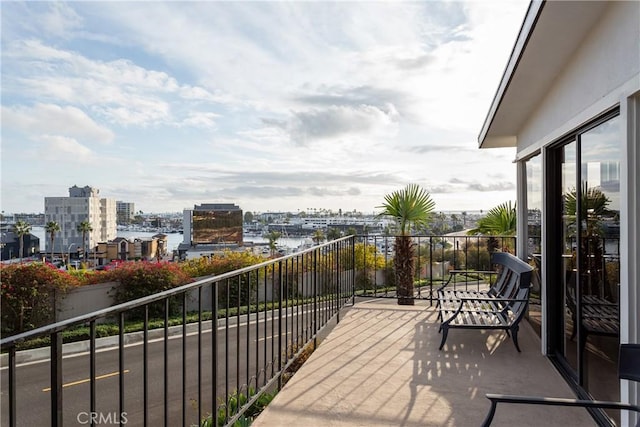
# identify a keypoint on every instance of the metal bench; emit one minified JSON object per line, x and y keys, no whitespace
{"x":501,"y":307}
{"x":449,"y":296}
{"x":628,"y":369}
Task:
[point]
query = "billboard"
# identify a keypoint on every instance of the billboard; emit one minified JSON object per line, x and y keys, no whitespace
{"x":217,"y":226}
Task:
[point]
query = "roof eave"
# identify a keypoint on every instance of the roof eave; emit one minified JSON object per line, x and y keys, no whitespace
{"x":485,"y":140}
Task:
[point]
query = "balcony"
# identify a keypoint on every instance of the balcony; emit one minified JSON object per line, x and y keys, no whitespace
{"x":380,"y":366}
{"x":378,"y":363}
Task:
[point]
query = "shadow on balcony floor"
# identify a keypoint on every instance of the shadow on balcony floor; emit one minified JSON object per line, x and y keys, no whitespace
{"x":380,"y":366}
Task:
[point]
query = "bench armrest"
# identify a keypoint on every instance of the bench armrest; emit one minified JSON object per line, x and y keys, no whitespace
{"x":553,"y":401}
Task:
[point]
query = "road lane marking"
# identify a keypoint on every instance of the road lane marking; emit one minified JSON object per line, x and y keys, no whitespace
{"x":99,"y":377}
{"x":155,"y":340}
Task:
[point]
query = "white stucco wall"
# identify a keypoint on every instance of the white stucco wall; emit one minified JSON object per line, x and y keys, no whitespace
{"x":601,"y":72}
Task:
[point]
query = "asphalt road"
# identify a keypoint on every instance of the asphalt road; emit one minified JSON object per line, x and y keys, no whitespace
{"x":33,"y":396}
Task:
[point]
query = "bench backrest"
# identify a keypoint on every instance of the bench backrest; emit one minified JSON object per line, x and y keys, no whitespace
{"x":518,"y":276}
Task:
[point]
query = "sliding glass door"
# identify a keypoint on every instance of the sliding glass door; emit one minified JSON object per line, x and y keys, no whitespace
{"x":583,"y":177}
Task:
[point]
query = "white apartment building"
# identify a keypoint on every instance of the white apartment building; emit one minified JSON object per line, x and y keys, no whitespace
{"x":83,"y":204}
{"x":125,"y":211}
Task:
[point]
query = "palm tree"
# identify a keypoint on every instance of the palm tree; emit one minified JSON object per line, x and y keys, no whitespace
{"x":20,"y":228}
{"x":52,"y":228}
{"x":318,"y":237}
{"x":594,"y":209}
{"x":84,"y":227}
{"x":333,"y":234}
{"x":272,"y":236}
{"x":409,"y":206}
{"x":499,"y":221}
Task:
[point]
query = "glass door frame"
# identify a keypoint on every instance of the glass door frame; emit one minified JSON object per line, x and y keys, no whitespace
{"x":553,"y":259}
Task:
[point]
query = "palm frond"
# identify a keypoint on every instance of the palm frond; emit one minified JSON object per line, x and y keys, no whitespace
{"x":411,"y":205}
{"x":499,"y":221}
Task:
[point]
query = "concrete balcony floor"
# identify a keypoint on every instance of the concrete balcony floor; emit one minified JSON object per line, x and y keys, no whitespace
{"x":380,"y":366}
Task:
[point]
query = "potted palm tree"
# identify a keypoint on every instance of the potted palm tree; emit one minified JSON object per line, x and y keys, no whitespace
{"x":411,"y":206}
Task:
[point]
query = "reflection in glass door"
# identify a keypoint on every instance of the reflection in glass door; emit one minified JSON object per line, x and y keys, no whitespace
{"x":568,"y":262}
{"x":600,"y":257}
{"x":587,"y":262}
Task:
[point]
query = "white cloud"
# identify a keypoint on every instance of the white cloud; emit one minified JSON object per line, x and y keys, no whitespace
{"x":341,"y":121}
{"x":55,"y":120}
{"x":288,"y":104}
{"x":61,"y":19}
{"x":63,"y":148}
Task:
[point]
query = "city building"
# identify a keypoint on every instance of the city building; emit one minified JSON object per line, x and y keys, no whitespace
{"x":83,"y":204}
{"x":125,"y":212}
{"x":211,"y":227}
{"x":569,"y":102}
{"x":212,"y":223}
{"x":10,"y":244}
{"x":150,"y":248}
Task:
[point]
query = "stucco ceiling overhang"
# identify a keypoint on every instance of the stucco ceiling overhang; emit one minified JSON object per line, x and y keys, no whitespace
{"x":550,"y":34}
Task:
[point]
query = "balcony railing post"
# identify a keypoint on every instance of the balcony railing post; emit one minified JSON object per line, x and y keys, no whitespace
{"x":280,"y":364}
{"x":334,"y":251}
{"x":145,"y":367}
{"x":92,"y":367}
{"x":12,"y":387}
{"x":56,"y":379}
{"x":214,"y":351}
{"x":315,"y":298}
{"x":166,"y":362}
{"x":353,"y":269}
{"x":121,"y":363}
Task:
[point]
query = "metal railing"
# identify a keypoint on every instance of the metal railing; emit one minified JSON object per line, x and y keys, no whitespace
{"x":250,"y":326}
{"x":434,"y":258}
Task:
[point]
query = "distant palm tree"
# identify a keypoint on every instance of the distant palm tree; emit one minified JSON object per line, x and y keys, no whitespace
{"x":84,"y":227}
{"x":273,"y":236}
{"x":318,"y":237}
{"x":499,"y":221}
{"x":411,"y":206}
{"x":52,"y":228}
{"x":20,"y":228}
{"x":333,"y":233}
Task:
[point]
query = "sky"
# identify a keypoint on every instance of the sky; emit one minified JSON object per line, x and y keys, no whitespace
{"x":273,"y":106}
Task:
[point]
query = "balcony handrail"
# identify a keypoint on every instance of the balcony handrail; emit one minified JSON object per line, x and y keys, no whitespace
{"x":9,"y":342}
{"x":302,"y":294}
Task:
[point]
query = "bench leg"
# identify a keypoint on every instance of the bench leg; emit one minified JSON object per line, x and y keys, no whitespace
{"x":514,"y":337}
{"x":445,"y":331}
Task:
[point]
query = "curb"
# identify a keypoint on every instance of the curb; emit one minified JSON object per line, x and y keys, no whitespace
{"x":104,"y":343}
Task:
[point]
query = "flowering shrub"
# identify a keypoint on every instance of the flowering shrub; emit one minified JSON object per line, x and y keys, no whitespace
{"x":139,"y":279}
{"x":28,"y":293}
{"x":238,"y":288}
{"x":91,"y":277}
{"x":230,"y":261}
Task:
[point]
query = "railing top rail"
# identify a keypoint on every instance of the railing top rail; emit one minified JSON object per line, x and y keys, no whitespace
{"x":11,"y":341}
